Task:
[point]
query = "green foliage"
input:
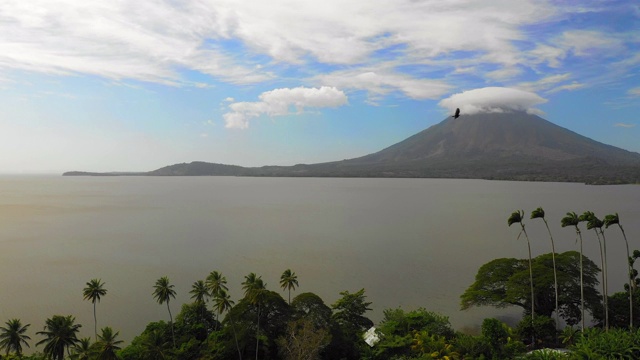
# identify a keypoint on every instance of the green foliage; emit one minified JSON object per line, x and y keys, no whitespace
{"x":107,"y":344}
{"x":543,"y":330}
{"x":303,"y":340}
{"x":434,"y":346}
{"x":60,"y":335}
{"x":472,"y":347}
{"x":505,"y":282}
{"x":398,"y":329}
{"x":614,"y":344}
{"x":12,"y":336}
{"x":500,"y":339}
{"x":349,"y":311}
{"x":546,"y":354}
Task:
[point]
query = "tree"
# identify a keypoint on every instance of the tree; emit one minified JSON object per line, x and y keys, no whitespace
{"x":539,"y":214}
{"x":199,"y":292}
{"x":504,"y":282}
{"x":303,"y":341}
{"x":613,"y":219}
{"x":596,"y":224}
{"x":163,"y":292}
{"x":94,"y":290}
{"x":572,"y":220}
{"x":516,"y":217}
{"x":255,"y":291}
{"x":12,"y":337}
{"x":216,"y":282}
{"x":60,"y":335}
{"x":222,"y":302}
{"x":310,"y":306}
{"x":289,"y":281}
{"x":83,"y":350}
{"x":349,"y":310}
{"x":108,"y":344}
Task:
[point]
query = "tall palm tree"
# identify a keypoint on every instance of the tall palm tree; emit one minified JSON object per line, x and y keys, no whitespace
{"x":613,"y":219}
{"x":222,"y":302}
{"x":289,"y":281}
{"x":516,"y":217}
{"x":255,"y":291}
{"x":94,"y":290}
{"x":163,"y":292}
{"x":200,"y":294}
{"x":60,"y":334}
{"x":596,"y":224}
{"x":539,"y":214}
{"x":216,"y":282}
{"x":13,"y":336}
{"x":108,"y":344}
{"x":572,"y":220}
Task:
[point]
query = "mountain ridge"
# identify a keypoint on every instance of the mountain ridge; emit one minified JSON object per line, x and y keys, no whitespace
{"x":500,"y":146}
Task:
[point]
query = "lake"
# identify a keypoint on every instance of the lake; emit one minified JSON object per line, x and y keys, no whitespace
{"x":409,"y":242}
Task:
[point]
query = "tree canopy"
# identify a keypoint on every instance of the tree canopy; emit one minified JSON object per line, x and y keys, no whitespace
{"x":504,"y":282}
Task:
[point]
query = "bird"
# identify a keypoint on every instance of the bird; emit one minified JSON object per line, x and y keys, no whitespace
{"x":457,"y":115}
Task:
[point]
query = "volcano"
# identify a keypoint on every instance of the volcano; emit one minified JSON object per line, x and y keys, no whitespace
{"x":498,"y":146}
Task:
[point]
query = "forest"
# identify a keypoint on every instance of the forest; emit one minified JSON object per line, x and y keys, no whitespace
{"x":555,"y":291}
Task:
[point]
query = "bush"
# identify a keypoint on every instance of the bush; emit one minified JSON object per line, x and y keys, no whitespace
{"x":543,"y":331}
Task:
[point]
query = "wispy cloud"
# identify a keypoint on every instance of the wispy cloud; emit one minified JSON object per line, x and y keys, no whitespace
{"x":634,"y":92}
{"x":624,"y":125}
{"x":281,"y":102}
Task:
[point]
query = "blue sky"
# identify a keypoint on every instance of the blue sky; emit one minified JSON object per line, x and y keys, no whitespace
{"x":137,"y":85}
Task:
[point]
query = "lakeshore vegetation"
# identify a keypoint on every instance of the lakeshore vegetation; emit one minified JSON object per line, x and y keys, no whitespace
{"x":555,"y":291}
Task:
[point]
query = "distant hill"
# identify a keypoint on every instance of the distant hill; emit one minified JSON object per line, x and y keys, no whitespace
{"x":504,"y":146}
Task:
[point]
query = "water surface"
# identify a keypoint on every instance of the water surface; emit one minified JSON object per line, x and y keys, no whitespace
{"x":408,"y":242}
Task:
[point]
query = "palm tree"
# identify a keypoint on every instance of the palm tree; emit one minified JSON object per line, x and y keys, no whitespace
{"x":572,"y":220}
{"x":288,"y":280}
{"x":199,"y":292}
{"x":83,"y":350}
{"x":153,"y":346}
{"x":60,"y":335}
{"x":255,"y":290}
{"x":609,"y":220}
{"x":108,"y":345}
{"x":13,"y":336}
{"x":216,"y":282}
{"x":516,"y":217}
{"x":596,"y":224}
{"x":222,"y":303}
{"x":93,"y":292}
{"x":163,"y":292}
{"x":539,"y":214}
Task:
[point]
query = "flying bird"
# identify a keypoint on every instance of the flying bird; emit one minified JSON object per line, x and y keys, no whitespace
{"x":457,"y":115}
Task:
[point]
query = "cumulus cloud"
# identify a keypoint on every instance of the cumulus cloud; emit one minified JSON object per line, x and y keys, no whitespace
{"x":281,"y":102}
{"x":493,"y":99}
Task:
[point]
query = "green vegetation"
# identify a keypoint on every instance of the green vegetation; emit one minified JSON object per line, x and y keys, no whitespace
{"x":262,"y":325}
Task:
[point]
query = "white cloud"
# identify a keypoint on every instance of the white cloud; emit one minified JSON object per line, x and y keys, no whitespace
{"x":280,"y":102}
{"x":381,"y":83}
{"x":624,"y":125}
{"x":634,"y":91}
{"x":544,"y":83}
{"x":492,"y":99}
{"x":587,"y":42}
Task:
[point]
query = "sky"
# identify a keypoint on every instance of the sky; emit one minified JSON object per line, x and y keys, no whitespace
{"x":136,"y":85}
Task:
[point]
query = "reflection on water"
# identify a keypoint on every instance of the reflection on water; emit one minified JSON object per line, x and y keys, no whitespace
{"x":408,"y":242}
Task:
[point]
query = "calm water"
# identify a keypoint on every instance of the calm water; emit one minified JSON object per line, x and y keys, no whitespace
{"x":408,"y":242}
